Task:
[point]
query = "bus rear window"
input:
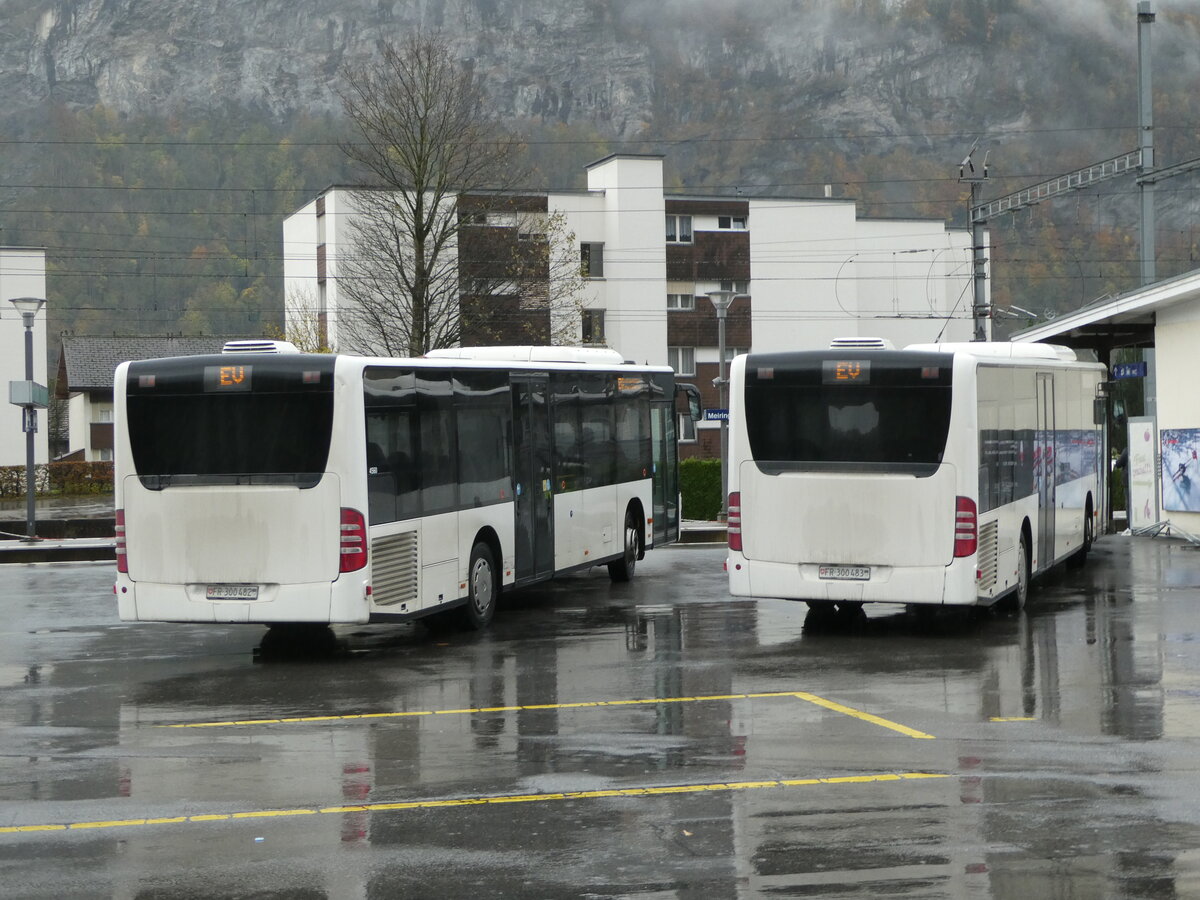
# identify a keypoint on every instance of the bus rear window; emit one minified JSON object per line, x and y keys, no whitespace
{"x":274,"y":431}
{"x":808,"y":417}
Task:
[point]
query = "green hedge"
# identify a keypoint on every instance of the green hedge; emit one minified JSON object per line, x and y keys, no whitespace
{"x":69,"y":478}
{"x":700,"y":486}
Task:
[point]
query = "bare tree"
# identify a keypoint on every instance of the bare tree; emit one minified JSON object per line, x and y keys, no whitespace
{"x":519,"y":275}
{"x":426,"y":141}
{"x":304,"y":324}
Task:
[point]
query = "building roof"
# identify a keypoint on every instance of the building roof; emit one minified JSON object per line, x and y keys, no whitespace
{"x":88,"y":363}
{"x":1126,"y":320}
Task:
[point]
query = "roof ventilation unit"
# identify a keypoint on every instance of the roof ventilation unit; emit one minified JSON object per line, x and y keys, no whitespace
{"x":600,"y":356}
{"x":261,"y":346}
{"x":861,"y":343}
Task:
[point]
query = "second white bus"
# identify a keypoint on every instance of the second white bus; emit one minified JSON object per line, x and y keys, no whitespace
{"x":945,"y":475}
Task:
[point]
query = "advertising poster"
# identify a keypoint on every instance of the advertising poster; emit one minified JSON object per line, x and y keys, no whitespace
{"x":1181,"y":469}
{"x":1142,"y":474}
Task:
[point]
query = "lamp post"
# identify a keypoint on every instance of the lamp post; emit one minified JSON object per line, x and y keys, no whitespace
{"x":721,"y":301}
{"x":28,"y":396}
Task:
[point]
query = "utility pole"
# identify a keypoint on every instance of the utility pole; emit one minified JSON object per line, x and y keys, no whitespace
{"x":1145,"y":18}
{"x":981,"y":311}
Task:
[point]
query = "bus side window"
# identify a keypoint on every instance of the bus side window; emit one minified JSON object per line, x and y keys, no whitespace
{"x":376,"y":461}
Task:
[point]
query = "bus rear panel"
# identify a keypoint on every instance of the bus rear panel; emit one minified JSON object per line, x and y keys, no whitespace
{"x":935,"y":475}
{"x":229,"y":509}
{"x":841,"y":483}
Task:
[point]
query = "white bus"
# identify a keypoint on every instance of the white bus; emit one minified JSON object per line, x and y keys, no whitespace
{"x":941,"y":474}
{"x":285,"y":488}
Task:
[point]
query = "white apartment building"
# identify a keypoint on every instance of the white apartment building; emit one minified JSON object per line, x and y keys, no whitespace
{"x":806,"y":270}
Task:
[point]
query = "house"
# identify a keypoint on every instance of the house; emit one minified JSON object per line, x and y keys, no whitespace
{"x":805,"y":271}
{"x":85,"y":379}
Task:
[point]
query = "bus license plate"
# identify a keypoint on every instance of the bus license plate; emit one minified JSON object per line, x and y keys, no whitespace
{"x":845,"y":573}
{"x":232,"y":592}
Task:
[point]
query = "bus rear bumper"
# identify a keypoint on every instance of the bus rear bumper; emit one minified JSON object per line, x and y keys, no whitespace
{"x":317,"y":602}
{"x":938,"y":585}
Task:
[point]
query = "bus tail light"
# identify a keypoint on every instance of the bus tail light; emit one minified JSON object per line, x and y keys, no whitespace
{"x":966,"y":525}
{"x":122,"y":552}
{"x":733,"y":520}
{"x":353,"y":534}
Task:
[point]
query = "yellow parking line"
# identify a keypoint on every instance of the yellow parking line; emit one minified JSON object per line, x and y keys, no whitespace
{"x":1013,"y":719}
{"x":495,"y":799}
{"x":866,"y":717}
{"x":587,"y":704}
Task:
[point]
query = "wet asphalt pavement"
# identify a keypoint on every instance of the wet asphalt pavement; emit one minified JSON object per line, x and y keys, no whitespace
{"x":655,"y":739}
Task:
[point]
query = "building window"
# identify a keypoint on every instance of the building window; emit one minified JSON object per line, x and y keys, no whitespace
{"x":593,"y":326}
{"x":681,"y":301}
{"x":106,"y":454}
{"x":682,"y":360}
{"x":741,"y":288}
{"x":591,"y":259}
{"x":687,"y":430}
{"x":736,"y":223}
{"x":679,"y":229}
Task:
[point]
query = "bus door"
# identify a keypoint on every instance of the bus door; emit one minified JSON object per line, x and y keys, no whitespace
{"x":531,"y":477}
{"x":1046,"y":467}
{"x":664,"y":452}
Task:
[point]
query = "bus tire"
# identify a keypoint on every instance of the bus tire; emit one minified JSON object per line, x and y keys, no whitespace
{"x":1079,"y":557}
{"x":1021,"y":595}
{"x":622,"y":569}
{"x":483,"y":588}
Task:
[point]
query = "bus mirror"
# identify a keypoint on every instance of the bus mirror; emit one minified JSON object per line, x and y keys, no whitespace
{"x":687,"y":401}
{"x":1099,"y":411}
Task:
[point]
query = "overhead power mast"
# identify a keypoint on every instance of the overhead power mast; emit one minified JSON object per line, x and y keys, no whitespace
{"x":1145,"y":17}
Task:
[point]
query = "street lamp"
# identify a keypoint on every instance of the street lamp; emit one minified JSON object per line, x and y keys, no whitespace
{"x":721,"y":301}
{"x":29,"y":396}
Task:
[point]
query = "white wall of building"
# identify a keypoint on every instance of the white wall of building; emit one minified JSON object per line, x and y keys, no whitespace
{"x":300,"y":289}
{"x":819,"y":272}
{"x":584,"y":217}
{"x":635,"y":255}
{"x":82,"y":413}
{"x":22,"y":274}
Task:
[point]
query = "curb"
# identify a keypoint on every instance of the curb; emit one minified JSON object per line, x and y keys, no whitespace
{"x":71,"y":550}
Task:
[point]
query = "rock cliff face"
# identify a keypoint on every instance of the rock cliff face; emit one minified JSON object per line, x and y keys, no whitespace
{"x":879,"y":99}
{"x":548,"y":60}
{"x":618,"y":65}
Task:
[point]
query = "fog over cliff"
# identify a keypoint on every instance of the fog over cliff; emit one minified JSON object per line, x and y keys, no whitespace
{"x":877,"y":98}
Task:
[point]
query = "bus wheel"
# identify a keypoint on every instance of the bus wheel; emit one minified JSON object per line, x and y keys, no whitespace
{"x":1021,"y":594}
{"x":1079,"y":557}
{"x":622,"y":569}
{"x":482,"y":588}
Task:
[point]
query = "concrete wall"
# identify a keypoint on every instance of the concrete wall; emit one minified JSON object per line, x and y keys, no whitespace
{"x":22,"y":274}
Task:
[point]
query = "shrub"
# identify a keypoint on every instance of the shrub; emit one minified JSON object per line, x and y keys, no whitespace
{"x":700,"y":486}
{"x":59,"y":478}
